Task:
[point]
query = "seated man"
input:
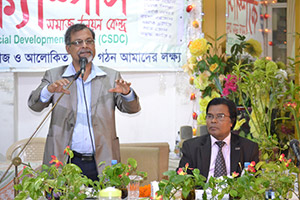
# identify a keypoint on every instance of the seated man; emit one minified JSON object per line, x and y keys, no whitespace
{"x":219,"y":153}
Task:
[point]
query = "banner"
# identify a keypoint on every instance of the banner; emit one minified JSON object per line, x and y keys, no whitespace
{"x":243,"y":18}
{"x":130,"y":35}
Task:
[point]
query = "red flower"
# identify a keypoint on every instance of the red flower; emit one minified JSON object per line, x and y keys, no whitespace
{"x":235,"y":174}
{"x":181,"y":172}
{"x":281,"y":158}
{"x":56,"y":161}
{"x":186,"y":165}
{"x":67,"y":150}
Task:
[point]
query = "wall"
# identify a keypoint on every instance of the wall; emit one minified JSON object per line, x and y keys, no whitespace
{"x":164,"y":98}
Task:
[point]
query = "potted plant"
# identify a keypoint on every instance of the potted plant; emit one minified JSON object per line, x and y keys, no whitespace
{"x":117,"y":175}
{"x":264,"y":87}
{"x":180,"y":181}
{"x":63,"y":180}
{"x":276,"y":177}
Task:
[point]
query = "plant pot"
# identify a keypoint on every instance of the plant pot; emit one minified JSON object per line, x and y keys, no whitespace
{"x":124,"y":192}
{"x":191,"y":196}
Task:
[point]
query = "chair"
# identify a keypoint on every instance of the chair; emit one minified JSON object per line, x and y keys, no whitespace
{"x":186,"y":132}
{"x":152,"y":158}
{"x":34,"y":151}
{"x":201,"y":130}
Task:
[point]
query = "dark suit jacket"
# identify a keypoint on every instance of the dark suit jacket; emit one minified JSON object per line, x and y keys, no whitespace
{"x":197,"y":152}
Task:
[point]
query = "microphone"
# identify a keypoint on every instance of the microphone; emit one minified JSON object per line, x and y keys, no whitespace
{"x":295,"y":146}
{"x":83,"y":61}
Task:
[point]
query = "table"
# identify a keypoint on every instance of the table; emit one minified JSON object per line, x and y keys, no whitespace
{"x":7,"y":185}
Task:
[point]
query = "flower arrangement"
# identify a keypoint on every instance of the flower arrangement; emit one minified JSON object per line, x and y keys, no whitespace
{"x":62,"y":179}
{"x":210,"y":69}
{"x":180,"y":180}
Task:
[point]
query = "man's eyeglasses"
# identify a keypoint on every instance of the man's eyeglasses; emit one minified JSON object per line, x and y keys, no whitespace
{"x":79,"y":43}
{"x":219,"y":117}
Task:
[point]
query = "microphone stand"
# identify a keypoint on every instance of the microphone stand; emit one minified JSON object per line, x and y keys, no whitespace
{"x":17,"y":160}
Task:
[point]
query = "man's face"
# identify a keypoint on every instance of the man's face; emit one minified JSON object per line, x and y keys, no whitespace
{"x":81,"y":49}
{"x":218,"y":121}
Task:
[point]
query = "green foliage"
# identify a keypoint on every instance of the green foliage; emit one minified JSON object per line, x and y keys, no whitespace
{"x":66,"y":181}
{"x":279,"y":176}
{"x":118,"y":175}
{"x":264,"y":88}
{"x":180,"y":181}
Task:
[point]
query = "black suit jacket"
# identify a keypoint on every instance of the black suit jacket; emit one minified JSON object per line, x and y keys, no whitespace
{"x":197,"y":152}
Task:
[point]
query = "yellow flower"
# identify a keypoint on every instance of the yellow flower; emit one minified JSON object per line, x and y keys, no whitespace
{"x":213,"y":67}
{"x":215,"y":94}
{"x":192,"y":60}
{"x":221,"y":78}
{"x":198,"y":47}
{"x":253,"y":48}
{"x":201,"y":119}
{"x":189,"y":68}
{"x":203,"y":102}
{"x":201,"y":81}
{"x":239,"y":123}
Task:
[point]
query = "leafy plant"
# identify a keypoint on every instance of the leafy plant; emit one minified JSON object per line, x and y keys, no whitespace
{"x":180,"y":180}
{"x":264,"y":87}
{"x":277,"y":176}
{"x":118,"y":174}
{"x":63,"y":179}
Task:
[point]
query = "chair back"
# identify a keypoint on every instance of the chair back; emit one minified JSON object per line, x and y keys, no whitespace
{"x":186,"y":132}
{"x":152,"y":158}
{"x":34,"y":151}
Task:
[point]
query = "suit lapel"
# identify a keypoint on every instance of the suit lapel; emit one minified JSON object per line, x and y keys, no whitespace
{"x":205,"y":154}
{"x":235,"y":154}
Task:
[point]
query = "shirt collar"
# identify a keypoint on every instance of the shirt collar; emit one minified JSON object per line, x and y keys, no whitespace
{"x":96,"y":71}
{"x":226,"y":140}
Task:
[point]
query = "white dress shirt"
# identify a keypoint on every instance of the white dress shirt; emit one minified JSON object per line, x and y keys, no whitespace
{"x":214,"y":153}
{"x":81,"y":140}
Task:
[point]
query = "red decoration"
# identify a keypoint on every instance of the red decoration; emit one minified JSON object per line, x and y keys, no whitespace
{"x":193,"y":96}
{"x":270,"y":43}
{"x":195,"y":116}
{"x":189,"y":8}
{"x":266,"y":16}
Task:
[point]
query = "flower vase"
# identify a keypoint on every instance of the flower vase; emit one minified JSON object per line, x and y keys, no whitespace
{"x":191,"y":196}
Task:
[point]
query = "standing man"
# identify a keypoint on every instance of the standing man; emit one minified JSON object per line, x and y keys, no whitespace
{"x":219,"y":153}
{"x":84,"y":118}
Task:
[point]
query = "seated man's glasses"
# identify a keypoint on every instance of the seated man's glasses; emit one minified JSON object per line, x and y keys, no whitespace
{"x":79,"y":43}
{"x":219,"y":117}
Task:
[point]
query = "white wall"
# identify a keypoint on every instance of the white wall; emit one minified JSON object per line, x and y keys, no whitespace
{"x":164,"y":98}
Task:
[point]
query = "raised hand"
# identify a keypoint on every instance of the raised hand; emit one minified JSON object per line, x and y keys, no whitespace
{"x":121,"y":87}
{"x":58,"y":86}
